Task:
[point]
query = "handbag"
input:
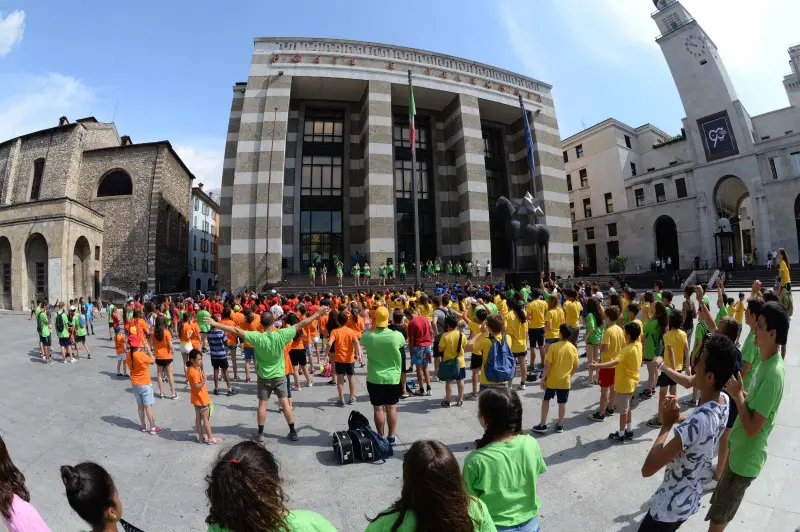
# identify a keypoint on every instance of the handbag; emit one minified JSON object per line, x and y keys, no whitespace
{"x":450,"y":369}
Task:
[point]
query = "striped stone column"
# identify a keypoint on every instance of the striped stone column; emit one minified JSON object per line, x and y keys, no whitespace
{"x":226,"y":193}
{"x":447,"y":195}
{"x":463,"y":132}
{"x":257,"y":212}
{"x":355,"y":183}
{"x":379,"y":222}
{"x":291,"y":194}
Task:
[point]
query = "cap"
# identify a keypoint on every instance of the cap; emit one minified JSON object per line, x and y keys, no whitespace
{"x":72,"y":307}
{"x":237,"y":308}
{"x":382,"y":317}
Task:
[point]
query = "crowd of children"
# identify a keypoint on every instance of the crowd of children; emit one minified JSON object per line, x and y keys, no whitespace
{"x":736,"y":392}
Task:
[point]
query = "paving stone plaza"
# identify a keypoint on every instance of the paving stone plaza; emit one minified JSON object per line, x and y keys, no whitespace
{"x":59,"y":414}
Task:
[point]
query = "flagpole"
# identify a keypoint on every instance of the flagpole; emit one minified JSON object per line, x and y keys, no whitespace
{"x":413,"y":140}
{"x":530,"y":170}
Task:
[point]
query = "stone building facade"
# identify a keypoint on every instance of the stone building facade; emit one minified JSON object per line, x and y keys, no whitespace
{"x":318,"y":160}
{"x":727,"y":185}
{"x":85,"y":212}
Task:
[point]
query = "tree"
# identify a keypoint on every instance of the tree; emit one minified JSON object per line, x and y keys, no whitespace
{"x":619,"y":264}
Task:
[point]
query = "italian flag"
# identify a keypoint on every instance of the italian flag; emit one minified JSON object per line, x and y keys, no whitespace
{"x":412,"y":111}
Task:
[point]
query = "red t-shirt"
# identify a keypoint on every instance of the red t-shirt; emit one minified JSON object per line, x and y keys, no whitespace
{"x":419,"y":332}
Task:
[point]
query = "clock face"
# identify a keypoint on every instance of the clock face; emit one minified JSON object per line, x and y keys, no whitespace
{"x":696,"y":45}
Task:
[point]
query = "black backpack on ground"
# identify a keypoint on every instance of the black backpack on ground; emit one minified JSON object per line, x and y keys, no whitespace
{"x":381,"y":450}
{"x":343,"y":447}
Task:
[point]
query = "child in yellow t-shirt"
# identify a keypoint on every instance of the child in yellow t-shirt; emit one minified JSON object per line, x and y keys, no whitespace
{"x":561,"y":363}
{"x":452,"y":344}
{"x":676,"y":351}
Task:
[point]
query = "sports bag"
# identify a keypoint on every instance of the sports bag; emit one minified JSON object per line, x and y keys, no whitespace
{"x":450,"y":369}
{"x":343,"y":447}
{"x":363,"y":448}
{"x":499,"y":365}
{"x":357,"y":421}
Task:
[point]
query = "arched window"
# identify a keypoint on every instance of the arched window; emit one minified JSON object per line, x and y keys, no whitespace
{"x":38,"y":172}
{"x":116,"y":183}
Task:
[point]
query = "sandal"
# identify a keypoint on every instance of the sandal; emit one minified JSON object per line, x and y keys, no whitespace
{"x":446,"y":404}
{"x":213,"y":441}
{"x":460,"y":403}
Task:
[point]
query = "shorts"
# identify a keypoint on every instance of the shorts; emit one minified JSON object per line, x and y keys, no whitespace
{"x":64,"y":342}
{"x":536,"y":337}
{"x":727,"y":496}
{"x":219,"y":363}
{"x":144,"y":395}
{"x":738,"y":330}
{"x":435,"y":350}
{"x":421,"y":356}
{"x":517,"y":355}
{"x":80,"y":339}
{"x":664,"y":380}
{"x":266,"y":387}
{"x":561,"y":395}
{"x":122,"y":356}
{"x":462,"y":375}
{"x":298,"y":357}
{"x":649,"y":524}
{"x":605,"y":377}
{"x":574,"y":336}
{"x":249,"y":353}
{"x":551,"y":341}
{"x":315,"y":340}
{"x":198,"y":408}
{"x":623,"y":402}
{"x":45,"y":340}
{"x":187,"y":347}
{"x":733,"y":413}
{"x":476,"y":361}
{"x":164,"y":362}
{"x":383,"y":394}
{"x":232,"y":349}
{"x":345,"y":368}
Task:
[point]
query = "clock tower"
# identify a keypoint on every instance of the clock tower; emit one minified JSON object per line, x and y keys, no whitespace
{"x":717,"y":122}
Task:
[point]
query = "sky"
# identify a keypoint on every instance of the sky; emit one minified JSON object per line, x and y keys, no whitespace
{"x":164,"y":70}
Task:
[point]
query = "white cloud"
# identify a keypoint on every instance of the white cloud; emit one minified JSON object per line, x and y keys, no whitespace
{"x":11,"y":29}
{"x":204,"y":158}
{"x":36,"y":102}
{"x":520,"y":38}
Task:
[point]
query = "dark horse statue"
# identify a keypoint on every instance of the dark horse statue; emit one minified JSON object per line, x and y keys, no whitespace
{"x":522,"y":223}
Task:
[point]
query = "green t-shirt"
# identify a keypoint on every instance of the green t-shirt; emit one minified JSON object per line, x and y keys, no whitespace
{"x":43,"y":324}
{"x":76,"y":322}
{"x":390,"y":268}
{"x":402,"y":267}
{"x":202,"y":314}
{"x":383,"y":355}
{"x":339,"y":271}
{"x":64,"y":333}
{"x":752,"y":355}
{"x":748,"y":455}
{"x":459,"y":268}
{"x":477,"y":511}
{"x":657,"y":295}
{"x":296,"y":521}
{"x":268,"y":347}
{"x":652,"y":337}
{"x":356,"y":270}
{"x":504,"y":475}
{"x":450,"y":268}
{"x":722,"y":313}
{"x":706,"y":300}
{"x":469,"y":268}
{"x":526,"y":293}
{"x":597,"y":335}
{"x":492,"y":307}
{"x":382,"y":271}
{"x":312,"y":271}
{"x":111,"y":308}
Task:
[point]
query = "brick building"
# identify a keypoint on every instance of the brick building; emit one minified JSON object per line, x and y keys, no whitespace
{"x":83,"y":210}
{"x":318,"y":162}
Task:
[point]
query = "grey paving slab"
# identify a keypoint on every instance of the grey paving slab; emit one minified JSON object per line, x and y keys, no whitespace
{"x":64,"y":414}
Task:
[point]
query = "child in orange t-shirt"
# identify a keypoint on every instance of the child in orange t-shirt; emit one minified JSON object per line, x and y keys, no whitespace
{"x":119,"y":341}
{"x":163,"y":356}
{"x":344,"y":343}
{"x":185,"y":337}
{"x":231,"y":340}
{"x":312,"y":339}
{"x":288,"y":371}
{"x":199,"y":397}
{"x":195,"y":332}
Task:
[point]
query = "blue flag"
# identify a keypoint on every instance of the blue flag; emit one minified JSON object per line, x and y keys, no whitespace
{"x":528,"y":137}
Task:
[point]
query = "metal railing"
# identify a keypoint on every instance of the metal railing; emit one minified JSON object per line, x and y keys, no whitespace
{"x":663,"y":8}
{"x":673,"y":30}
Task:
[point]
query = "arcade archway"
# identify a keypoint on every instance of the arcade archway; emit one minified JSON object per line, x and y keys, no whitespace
{"x":36,"y":262}
{"x":666,"y":238}
{"x":81,"y":269}
{"x":732,"y":203}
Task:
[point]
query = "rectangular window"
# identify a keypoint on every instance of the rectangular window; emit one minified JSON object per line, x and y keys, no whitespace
{"x":579,"y":151}
{"x":38,"y":173}
{"x":680,"y":187}
{"x":612,"y":229}
{"x":212,"y":230}
{"x":775,"y":166}
{"x":40,"y":278}
{"x":590,"y":233}
{"x":213,"y":248}
{"x":660,"y":195}
{"x":326,"y":126}
{"x":401,"y":136}
{"x":639,"y":193}
{"x":213,"y":267}
{"x":402,"y":180}
{"x":194,"y":264}
{"x":204,"y":264}
{"x":6,"y":278}
{"x":572,"y":210}
{"x":584,"y":177}
{"x":321,"y":176}
{"x":633,"y":169}
{"x":609,"y":203}
{"x":569,"y":182}
{"x":196,"y":203}
{"x":796,"y":162}
{"x":627,"y":142}
{"x":574,"y":235}
{"x":587,"y":208}
{"x":492,"y":143}
{"x":566,"y":156}
{"x":194,"y":247}
{"x":97,"y":253}
{"x":613,"y":249}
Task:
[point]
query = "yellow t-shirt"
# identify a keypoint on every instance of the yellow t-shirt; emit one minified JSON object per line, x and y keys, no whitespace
{"x":624,"y":310}
{"x":449,"y":341}
{"x":614,"y":338}
{"x":502,"y":306}
{"x":572,"y":312}
{"x":474,"y":327}
{"x":626,"y":373}
{"x":518,"y":331}
{"x":676,"y":339}
{"x":555,"y":317}
{"x":563,"y":356}
{"x":482,"y":347}
{"x":645,"y":312}
{"x":536,"y":310}
{"x":426,"y":310}
{"x":641,"y":329}
{"x":738,"y":311}
{"x":785,"y":276}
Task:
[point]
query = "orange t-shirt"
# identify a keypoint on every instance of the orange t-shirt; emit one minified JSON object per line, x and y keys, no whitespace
{"x":231,"y":337}
{"x":198,"y":397}
{"x":287,"y":360}
{"x":298,"y":341}
{"x":343,"y":350}
{"x":186,"y":333}
{"x":163,"y":347}
{"x":139,"y":364}
{"x":143,"y":328}
{"x":310,"y":332}
{"x":238,"y":320}
{"x":254,"y":325}
{"x":323,"y":323}
{"x":195,"y":335}
{"x":119,"y":340}
{"x":357,"y":327}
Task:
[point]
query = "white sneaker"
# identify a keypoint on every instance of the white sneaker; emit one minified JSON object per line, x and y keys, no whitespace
{"x":310,"y":385}
{"x":522,"y":387}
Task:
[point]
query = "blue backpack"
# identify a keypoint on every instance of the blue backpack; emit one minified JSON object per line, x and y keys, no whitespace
{"x":82,"y":320}
{"x":499,"y":365}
